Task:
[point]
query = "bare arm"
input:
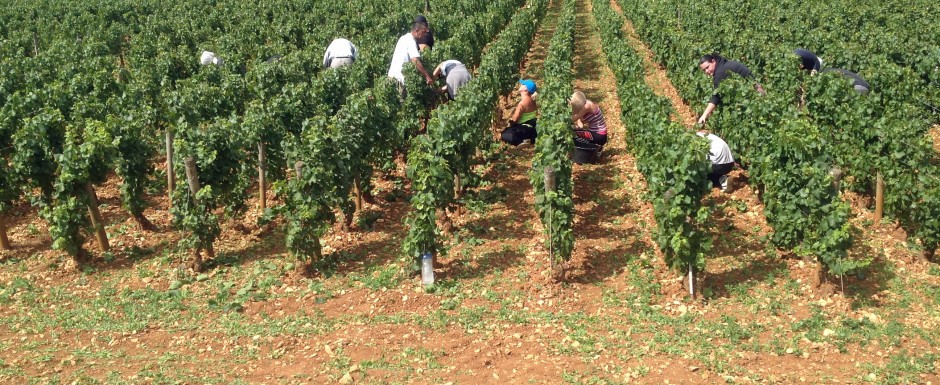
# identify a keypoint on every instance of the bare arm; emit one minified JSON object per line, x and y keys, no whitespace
{"x":708,"y":112}
{"x":421,"y":69}
{"x":516,"y":114}
{"x":437,"y":70}
{"x":578,"y":116}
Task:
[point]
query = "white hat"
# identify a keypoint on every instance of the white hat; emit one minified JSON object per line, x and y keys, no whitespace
{"x":209,"y":58}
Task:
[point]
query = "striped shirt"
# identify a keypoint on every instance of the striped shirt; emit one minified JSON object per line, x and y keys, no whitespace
{"x":595,"y":122}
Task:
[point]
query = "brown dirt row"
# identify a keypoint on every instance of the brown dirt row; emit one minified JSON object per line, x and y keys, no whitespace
{"x":656,"y":76}
{"x":658,"y":80}
{"x":732,"y":250}
{"x":739,"y":190}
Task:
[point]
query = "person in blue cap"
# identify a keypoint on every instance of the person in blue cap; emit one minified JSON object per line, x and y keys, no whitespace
{"x":521,"y":131}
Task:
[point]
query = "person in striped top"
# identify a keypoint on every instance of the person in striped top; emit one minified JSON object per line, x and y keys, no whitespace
{"x":590,"y":128}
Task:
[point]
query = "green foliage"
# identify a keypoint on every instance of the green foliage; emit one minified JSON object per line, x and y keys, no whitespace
{"x":132,"y":66}
{"x":333,"y":153}
{"x":457,"y":129}
{"x":880,"y":132}
{"x":36,"y":142}
{"x":85,"y":158}
{"x":672,"y":158}
{"x":209,"y":131}
{"x":556,"y":140}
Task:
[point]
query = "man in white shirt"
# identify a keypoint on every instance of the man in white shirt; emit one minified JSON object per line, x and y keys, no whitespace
{"x":721,"y":158}
{"x":407,"y":50}
{"x":339,"y":53}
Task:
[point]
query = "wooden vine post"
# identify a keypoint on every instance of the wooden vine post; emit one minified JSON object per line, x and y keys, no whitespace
{"x":263,"y":195}
{"x":35,"y":44}
{"x":192,"y":178}
{"x":96,"y":220}
{"x":170,"y":175}
{"x":458,"y":194}
{"x":357,"y":190}
{"x":836,"y":174}
{"x":879,"y":196}
{"x":4,"y":241}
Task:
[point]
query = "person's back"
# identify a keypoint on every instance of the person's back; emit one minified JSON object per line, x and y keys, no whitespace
{"x":808,"y":60}
{"x":455,"y":75}
{"x":594,"y":119}
{"x":858,"y":83}
{"x":719,"y":153}
{"x":405,"y":49}
{"x":339,"y":53}
{"x":726,"y":67}
{"x":722,"y":160}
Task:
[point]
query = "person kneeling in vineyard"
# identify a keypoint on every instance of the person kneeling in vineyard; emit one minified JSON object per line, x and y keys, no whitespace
{"x":521,"y":131}
{"x":810,"y":62}
{"x":719,"y":69}
{"x":590,"y":128}
{"x":340,"y":52}
{"x":722,"y":160}
{"x":455,"y":76}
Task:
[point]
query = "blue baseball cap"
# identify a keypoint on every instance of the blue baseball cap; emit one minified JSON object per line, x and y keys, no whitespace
{"x":529,"y":85}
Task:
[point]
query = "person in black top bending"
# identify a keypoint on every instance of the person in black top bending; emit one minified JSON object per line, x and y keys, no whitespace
{"x":426,"y":41}
{"x":719,"y":69}
{"x":810,"y":62}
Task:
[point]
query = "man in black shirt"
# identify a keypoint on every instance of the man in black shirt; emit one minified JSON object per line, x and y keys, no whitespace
{"x":809,"y":61}
{"x":719,"y":69}
{"x":861,"y":86}
{"x":426,"y":41}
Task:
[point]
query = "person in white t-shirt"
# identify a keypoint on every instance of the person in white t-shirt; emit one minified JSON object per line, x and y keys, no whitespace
{"x":209,"y":58}
{"x":407,"y":50}
{"x":339,"y":53}
{"x":721,"y":158}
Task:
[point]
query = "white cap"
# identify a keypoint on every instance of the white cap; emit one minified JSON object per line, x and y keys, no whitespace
{"x":208,"y":58}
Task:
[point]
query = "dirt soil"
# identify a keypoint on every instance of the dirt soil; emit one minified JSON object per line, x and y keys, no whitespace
{"x":494,"y":316}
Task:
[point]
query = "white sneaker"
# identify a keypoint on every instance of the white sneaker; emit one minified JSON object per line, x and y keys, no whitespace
{"x":723,"y":180}
{"x":525,"y":144}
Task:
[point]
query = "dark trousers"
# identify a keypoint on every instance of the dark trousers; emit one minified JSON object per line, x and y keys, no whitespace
{"x":588,"y":140}
{"x":518,"y":132}
{"x":719,"y":170}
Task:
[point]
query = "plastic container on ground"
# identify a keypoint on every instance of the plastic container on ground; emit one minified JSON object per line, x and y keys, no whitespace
{"x":427,"y":269}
